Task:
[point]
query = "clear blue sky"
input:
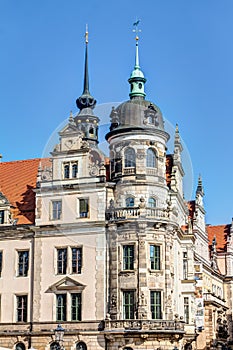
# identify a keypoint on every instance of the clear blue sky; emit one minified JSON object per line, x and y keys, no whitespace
{"x":186,"y":53}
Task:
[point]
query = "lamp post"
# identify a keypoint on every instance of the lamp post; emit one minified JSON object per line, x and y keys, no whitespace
{"x":59,"y":334}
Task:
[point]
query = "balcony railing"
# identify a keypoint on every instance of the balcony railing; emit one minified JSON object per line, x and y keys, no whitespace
{"x":144,"y":325}
{"x":135,"y":212}
{"x":213,"y":299}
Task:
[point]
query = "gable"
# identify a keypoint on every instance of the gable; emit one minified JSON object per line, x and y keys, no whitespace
{"x":66,"y":284}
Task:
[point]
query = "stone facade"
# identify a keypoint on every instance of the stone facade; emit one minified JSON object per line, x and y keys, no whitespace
{"x":116,"y":254}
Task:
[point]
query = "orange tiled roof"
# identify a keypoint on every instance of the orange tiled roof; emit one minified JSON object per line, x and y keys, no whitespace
{"x":17,"y":181}
{"x":220,"y":232}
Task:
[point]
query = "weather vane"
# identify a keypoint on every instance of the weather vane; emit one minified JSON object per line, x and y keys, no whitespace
{"x":136,"y":30}
{"x":86,"y":34}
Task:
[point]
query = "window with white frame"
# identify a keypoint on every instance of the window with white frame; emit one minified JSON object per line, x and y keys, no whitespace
{"x":56,"y":210}
{"x":83,"y":207}
{"x":155,"y":257}
{"x":70,"y":170}
{"x":23,"y":263}
{"x":151,"y":202}
{"x":21,"y":308}
{"x":61,"y":261}
{"x":76,"y":259}
{"x":150,"y":158}
{"x":186,"y":309}
{"x":69,"y":307}
{"x":130,"y":158}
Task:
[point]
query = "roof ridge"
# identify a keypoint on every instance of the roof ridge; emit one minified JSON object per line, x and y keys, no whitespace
{"x":23,"y":160}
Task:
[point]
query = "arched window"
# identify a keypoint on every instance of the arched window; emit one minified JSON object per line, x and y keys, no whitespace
{"x":151,"y":202}
{"x":74,"y":170}
{"x":151,"y":158}
{"x":91,"y":132}
{"x":54,"y":346}
{"x":129,"y":202}
{"x":129,"y":158}
{"x":20,"y":346}
{"x":81,"y":346}
{"x":66,"y":171}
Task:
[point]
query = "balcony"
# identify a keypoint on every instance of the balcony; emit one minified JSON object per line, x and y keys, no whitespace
{"x":117,"y":214}
{"x":210,"y":298}
{"x":150,"y":326}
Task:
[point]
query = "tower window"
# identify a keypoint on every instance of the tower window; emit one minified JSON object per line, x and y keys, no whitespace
{"x":129,"y":202}
{"x":155,"y":305}
{"x":130,"y":158}
{"x":151,"y":158}
{"x":81,"y":346}
{"x":91,"y":132}
{"x":155,"y":257}
{"x":151,"y":202}
{"x":128,"y":304}
{"x":128,"y":257}
{"x":140,"y":85}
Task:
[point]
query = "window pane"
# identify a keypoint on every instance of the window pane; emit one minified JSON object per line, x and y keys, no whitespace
{"x":152,"y":202}
{"x":76,"y":260}
{"x":129,"y":202}
{"x":83,"y":207}
{"x":128,"y":305}
{"x":23,"y":263}
{"x":61,"y":261}
{"x":56,"y":214}
{"x":22,"y":308}
{"x":155,"y":303}
{"x":150,"y":158}
{"x":1,"y":216}
{"x":0,"y":263}
{"x":74,"y":170}
{"x":76,"y":307}
{"x":155,"y":257}
{"x":128,"y":257}
{"x":61,"y":307}
{"x":130,"y":158}
{"x":186,"y":310}
{"x":185,"y":266}
{"x":66,"y":171}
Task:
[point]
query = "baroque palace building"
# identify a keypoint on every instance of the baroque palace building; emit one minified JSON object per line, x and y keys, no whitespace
{"x":108,"y":247}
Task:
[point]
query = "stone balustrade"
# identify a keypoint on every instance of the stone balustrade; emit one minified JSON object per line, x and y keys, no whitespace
{"x":144,"y":325}
{"x":115,"y":214}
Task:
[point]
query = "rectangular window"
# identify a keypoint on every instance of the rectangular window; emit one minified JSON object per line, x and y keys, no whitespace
{"x":83,"y":207}
{"x":61,"y":307}
{"x":1,"y":216}
{"x":56,"y":210}
{"x":128,"y":305}
{"x":186,"y":310}
{"x":74,"y":170}
{"x":155,"y":257}
{"x":76,"y":307}
{"x":185,"y":266}
{"x":155,"y":305}
{"x":0,"y":263}
{"x":21,"y":308}
{"x":61,"y":261}
{"x":128,"y":257}
{"x":23,"y":263}
{"x":76,"y":260}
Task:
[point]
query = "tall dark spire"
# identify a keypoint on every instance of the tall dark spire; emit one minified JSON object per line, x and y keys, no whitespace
{"x":86,"y":100}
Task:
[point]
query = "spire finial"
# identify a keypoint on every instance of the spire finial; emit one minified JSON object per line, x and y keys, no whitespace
{"x":200,"y":186}
{"x":137,"y":79}
{"x":86,"y":100}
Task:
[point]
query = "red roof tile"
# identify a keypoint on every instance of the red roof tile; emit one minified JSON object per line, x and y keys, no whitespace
{"x":17,"y":181}
{"x":220,"y":232}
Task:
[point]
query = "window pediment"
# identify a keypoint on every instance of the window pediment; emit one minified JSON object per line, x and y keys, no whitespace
{"x":66,"y":284}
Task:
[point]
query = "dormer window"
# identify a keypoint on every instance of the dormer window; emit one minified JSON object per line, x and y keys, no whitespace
{"x":70,"y":170}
